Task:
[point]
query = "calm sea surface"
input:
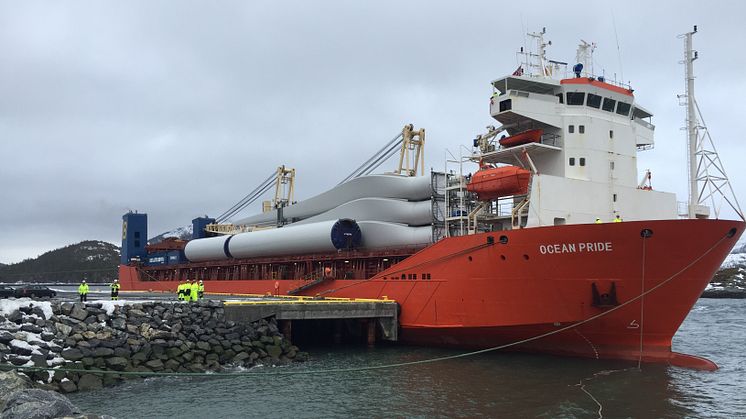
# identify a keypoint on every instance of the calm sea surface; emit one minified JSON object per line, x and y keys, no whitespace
{"x":490,"y":385}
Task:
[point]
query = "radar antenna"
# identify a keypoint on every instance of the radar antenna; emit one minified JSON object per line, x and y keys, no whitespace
{"x":708,"y":182}
{"x":536,"y":63}
{"x":584,"y":55}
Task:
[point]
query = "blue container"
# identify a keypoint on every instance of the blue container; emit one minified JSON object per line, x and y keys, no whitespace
{"x":175,"y":257}
{"x":198,"y":227}
{"x":134,"y":237}
{"x":156,"y":259}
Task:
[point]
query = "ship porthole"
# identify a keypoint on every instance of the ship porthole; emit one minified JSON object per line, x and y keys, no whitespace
{"x":503,"y":239}
{"x":646,"y":233}
{"x":470,"y":259}
{"x":502,"y":257}
{"x":525,"y":257}
{"x":732,"y":232}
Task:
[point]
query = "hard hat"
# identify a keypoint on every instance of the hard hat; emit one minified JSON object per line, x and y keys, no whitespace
{"x":84,"y":281}
{"x":200,"y":281}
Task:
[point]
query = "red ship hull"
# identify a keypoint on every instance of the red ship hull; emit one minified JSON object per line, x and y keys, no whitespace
{"x":536,"y":286}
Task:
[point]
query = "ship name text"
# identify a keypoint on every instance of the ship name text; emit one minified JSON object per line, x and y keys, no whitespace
{"x":585,"y":247}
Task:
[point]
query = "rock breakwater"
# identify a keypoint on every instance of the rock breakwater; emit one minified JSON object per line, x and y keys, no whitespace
{"x":130,"y":338}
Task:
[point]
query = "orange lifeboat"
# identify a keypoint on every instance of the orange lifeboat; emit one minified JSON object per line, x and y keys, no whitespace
{"x":525,"y":137}
{"x":492,"y":183}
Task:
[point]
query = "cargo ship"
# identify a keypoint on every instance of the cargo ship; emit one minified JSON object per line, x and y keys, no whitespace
{"x":552,"y":245}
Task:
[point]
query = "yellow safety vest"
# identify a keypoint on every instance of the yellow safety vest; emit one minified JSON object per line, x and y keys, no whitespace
{"x":83,"y":289}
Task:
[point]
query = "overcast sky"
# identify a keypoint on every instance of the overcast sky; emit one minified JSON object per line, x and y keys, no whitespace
{"x":179,"y":108}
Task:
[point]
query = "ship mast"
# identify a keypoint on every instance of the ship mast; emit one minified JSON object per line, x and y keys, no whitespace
{"x":707,"y":178}
{"x":691,"y":120}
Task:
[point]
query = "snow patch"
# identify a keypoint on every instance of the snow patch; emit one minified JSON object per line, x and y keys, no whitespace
{"x":734,"y":260}
{"x":109,"y":306}
{"x":8,"y":306}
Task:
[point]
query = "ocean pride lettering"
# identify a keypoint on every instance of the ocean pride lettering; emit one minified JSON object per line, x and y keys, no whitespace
{"x":548,"y":249}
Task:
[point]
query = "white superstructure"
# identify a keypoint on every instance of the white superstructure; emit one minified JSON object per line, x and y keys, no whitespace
{"x":585,"y":166}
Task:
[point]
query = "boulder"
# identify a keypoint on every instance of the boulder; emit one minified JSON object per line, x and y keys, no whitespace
{"x":173,"y":352}
{"x":37,"y":311}
{"x":66,"y":308}
{"x":117,"y":363}
{"x":63,"y":329}
{"x":5,"y":337}
{"x":67,"y":386}
{"x":172,"y":365}
{"x":31,"y":328}
{"x":274,"y":351}
{"x":36,"y":403}
{"x":118,"y":323}
{"x":15,"y":317}
{"x":241,"y":356}
{"x":20,"y":347}
{"x":155,"y":364}
{"x":39,"y":360}
{"x":72,"y":354}
{"x":122,"y":352}
{"x":11,"y":382}
{"x":78,"y":313}
{"x":103,"y":351}
{"x":137,"y":313}
{"x":89,"y":382}
{"x":18,"y":359}
{"x":103,"y":335}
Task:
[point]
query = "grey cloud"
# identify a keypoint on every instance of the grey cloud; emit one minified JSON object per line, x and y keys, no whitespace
{"x":180,"y":108}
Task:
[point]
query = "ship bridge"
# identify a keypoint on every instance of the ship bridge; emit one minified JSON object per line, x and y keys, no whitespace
{"x":524,"y":100}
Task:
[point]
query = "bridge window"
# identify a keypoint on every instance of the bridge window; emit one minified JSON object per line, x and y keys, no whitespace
{"x":572,"y":161}
{"x":506,"y":105}
{"x":608,"y":105}
{"x":561,"y":98}
{"x":594,"y":101}
{"x":581,"y":129}
{"x":571,"y":128}
{"x":611,"y":133}
{"x":575,"y":98}
{"x":582,"y":161}
{"x":623,"y":108}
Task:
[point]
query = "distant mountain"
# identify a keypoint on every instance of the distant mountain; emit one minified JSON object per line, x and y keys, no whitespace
{"x":183,"y":233}
{"x":95,"y":261}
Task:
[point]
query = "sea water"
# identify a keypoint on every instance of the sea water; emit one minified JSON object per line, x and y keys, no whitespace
{"x":489,"y":385}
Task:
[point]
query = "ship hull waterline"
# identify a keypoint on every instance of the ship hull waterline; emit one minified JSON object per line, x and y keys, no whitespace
{"x":535,"y":286}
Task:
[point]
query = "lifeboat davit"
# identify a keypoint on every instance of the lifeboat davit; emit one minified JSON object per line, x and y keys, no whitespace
{"x":492,"y":183}
{"x":525,"y":137}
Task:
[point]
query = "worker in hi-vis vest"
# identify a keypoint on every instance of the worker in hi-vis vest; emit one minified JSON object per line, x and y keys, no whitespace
{"x":618,"y":219}
{"x":83,"y":291}
{"x":201,"y":290}
{"x":194,"y":291}
{"x":115,"y":290}
{"x":180,"y":291}
{"x":185,"y":290}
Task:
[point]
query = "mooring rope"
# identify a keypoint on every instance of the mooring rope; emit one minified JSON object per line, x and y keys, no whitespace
{"x":374,"y":367}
